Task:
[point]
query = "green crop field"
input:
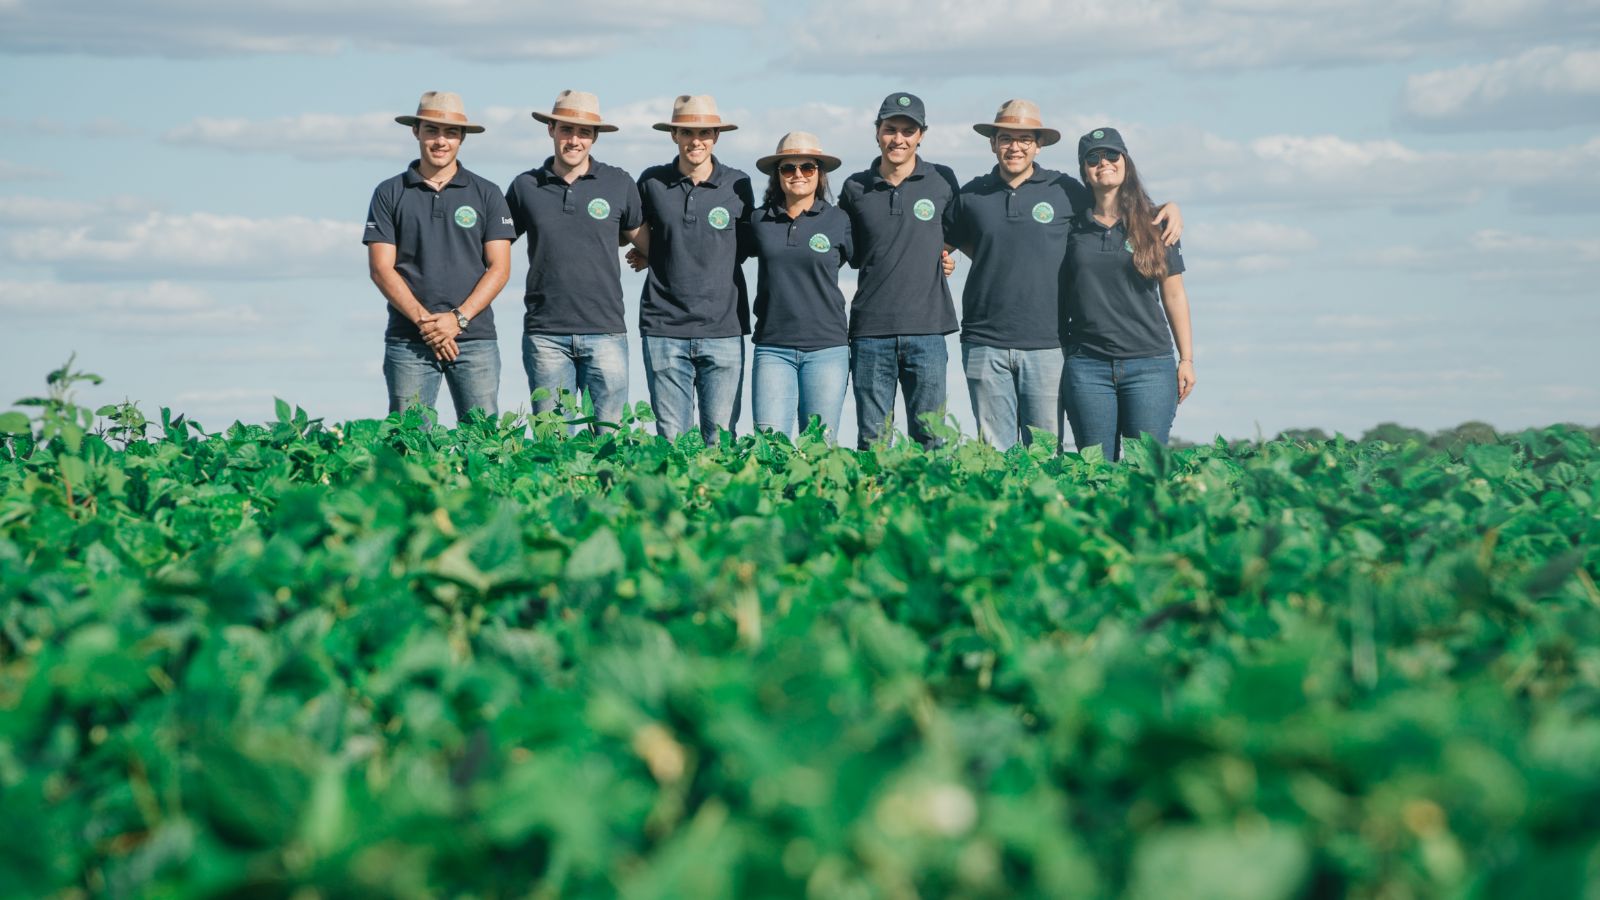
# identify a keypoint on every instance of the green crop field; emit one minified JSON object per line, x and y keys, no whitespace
{"x":388,"y":659}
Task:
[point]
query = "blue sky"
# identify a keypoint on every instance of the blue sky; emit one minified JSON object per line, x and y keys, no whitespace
{"x":1391,"y":204}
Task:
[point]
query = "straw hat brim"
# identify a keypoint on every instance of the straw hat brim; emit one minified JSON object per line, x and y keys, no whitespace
{"x":551,"y":119}
{"x":468,"y":127}
{"x":769,"y":164}
{"x":668,"y":126}
{"x":1047,"y":136}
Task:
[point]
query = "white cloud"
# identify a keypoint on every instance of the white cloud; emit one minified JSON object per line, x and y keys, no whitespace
{"x":11,"y":171}
{"x":191,"y":245}
{"x":1219,"y":34}
{"x":1249,"y":247}
{"x":1549,"y":265}
{"x":495,"y":30}
{"x":1543,"y":87}
{"x":160,"y":306}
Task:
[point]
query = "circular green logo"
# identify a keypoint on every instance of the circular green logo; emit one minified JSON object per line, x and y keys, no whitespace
{"x":1128,"y":245}
{"x":599,"y":208}
{"x":923,"y":209}
{"x":904,"y":101}
{"x":466,"y":216}
{"x":1098,"y":134}
{"x":1043,"y":212}
{"x":820,"y":243}
{"x":718,"y":218}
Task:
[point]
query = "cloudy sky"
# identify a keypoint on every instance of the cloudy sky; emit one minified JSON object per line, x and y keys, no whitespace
{"x":1392,"y":204}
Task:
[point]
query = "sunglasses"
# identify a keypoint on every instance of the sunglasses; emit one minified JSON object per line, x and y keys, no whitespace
{"x":1094,"y":157}
{"x":805,"y":168}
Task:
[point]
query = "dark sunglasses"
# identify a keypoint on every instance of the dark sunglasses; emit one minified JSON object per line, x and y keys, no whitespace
{"x":805,"y":168}
{"x":1094,"y":156}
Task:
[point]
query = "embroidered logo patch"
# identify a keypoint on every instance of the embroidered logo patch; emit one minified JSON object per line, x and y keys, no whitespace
{"x":1043,"y":212}
{"x":904,"y":101}
{"x":466,"y":216}
{"x":820,"y":243}
{"x":599,"y":208}
{"x":923,"y":209}
{"x":1128,"y":245}
{"x":718,"y":217}
{"x":1098,"y":134}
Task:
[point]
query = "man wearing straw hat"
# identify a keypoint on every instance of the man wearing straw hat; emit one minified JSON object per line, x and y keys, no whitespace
{"x":694,"y":311}
{"x":576,"y":211}
{"x":1013,"y":224}
{"x":902,"y":308}
{"x":437,"y":212}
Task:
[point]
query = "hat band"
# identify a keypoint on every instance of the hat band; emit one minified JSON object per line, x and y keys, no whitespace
{"x":1018,"y":120}
{"x":704,"y":120}
{"x":571,"y":113}
{"x":798,"y":151}
{"x":446,"y":114}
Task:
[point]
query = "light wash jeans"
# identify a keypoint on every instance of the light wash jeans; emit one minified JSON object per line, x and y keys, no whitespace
{"x":1109,"y":399}
{"x":1013,"y":390}
{"x":789,"y":382}
{"x":914,"y":362}
{"x":682,"y":371}
{"x":412,"y":374}
{"x":595,"y":364}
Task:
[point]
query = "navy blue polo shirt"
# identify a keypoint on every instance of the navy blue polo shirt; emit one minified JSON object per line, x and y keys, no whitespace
{"x":438,"y":238}
{"x":798,"y":301}
{"x":1017,"y":241}
{"x":574,"y":232}
{"x":1108,"y":308}
{"x":695,"y":288}
{"x":899,"y":237}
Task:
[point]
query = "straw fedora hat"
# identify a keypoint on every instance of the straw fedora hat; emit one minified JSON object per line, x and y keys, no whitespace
{"x":798,"y":143}
{"x":576,"y":108}
{"x":1019,"y":115}
{"x":695,"y":111}
{"x":441,"y":108}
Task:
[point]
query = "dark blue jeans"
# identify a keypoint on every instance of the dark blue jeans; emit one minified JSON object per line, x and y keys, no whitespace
{"x":916,"y":363}
{"x":1109,"y":399}
{"x":683,"y":373}
{"x":413,"y":373}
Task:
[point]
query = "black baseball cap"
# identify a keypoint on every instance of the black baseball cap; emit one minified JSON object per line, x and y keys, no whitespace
{"x":1107,"y":138}
{"x":903,"y":104}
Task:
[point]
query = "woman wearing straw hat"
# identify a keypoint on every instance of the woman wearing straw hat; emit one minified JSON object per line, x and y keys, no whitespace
{"x":694,"y":310}
{"x":576,"y":210}
{"x":802,"y":337}
{"x":1124,"y":308}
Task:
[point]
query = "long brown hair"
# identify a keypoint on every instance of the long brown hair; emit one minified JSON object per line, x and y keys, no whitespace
{"x":1137,"y":214}
{"x":775,"y":199}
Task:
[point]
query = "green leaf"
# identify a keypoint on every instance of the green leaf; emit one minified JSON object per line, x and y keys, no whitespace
{"x":1265,"y":862}
{"x":15,"y":423}
{"x":599,"y":555}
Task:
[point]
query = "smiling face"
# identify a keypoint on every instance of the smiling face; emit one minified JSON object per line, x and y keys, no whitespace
{"x":898,"y":138}
{"x":694,"y":144}
{"x":572,"y":143}
{"x":438,"y":144}
{"x":1014,"y":149}
{"x":798,"y":176}
{"x":1099,"y":171}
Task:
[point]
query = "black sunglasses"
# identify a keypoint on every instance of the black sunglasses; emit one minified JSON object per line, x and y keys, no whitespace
{"x":1093,"y":157}
{"x":805,"y":168}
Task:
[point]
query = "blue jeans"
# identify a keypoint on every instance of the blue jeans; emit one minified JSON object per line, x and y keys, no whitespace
{"x":916,"y":363}
{"x":412,"y":374}
{"x":1107,"y":399}
{"x":804,"y":382}
{"x":680,"y":371}
{"x":596,"y":364}
{"x":1013,"y":390}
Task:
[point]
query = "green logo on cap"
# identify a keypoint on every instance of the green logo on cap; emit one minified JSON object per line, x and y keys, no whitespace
{"x":820,"y":243}
{"x":904,"y":101}
{"x":923,"y":209}
{"x":1128,"y":245}
{"x":466,"y":216}
{"x":718,"y":218}
{"x":1043,"y":212}
{"x":1098,"y":134}
{"x":599,"y":208}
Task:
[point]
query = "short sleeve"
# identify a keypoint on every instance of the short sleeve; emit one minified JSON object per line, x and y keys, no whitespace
{"x":501,"y":226}
{"x":632,"y":207}
{"x":847,"y":244}
{"x":380,"y":217}
{"x":1175,"y":259}
{"x":519,"y":217}
{"x":953,"y":232}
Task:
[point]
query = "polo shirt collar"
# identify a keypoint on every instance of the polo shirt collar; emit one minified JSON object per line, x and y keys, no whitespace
{"x":922,"y":169}
{"x":1086,"y":215}
{"x":781,"y":212}
{"x":547,"y":172}
{"x":413,"y":175}
{"x":1040,"y":175}
{"x":718,"y":173}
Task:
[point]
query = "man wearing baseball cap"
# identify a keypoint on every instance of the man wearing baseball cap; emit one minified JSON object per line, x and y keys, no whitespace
{"x":439,"y":249}
{"x":694,"y":311}
{"x":576,"y":211}
{"x":902,"y":308}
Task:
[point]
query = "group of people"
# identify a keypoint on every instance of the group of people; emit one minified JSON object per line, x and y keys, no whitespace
{"x":1072,"y":306}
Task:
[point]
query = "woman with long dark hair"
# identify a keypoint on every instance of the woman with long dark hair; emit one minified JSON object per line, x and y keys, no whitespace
{"x":799,"y":240}
{"x":1123,"y":309}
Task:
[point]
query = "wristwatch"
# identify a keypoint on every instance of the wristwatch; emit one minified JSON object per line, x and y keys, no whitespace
{"x":461,"y":319}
